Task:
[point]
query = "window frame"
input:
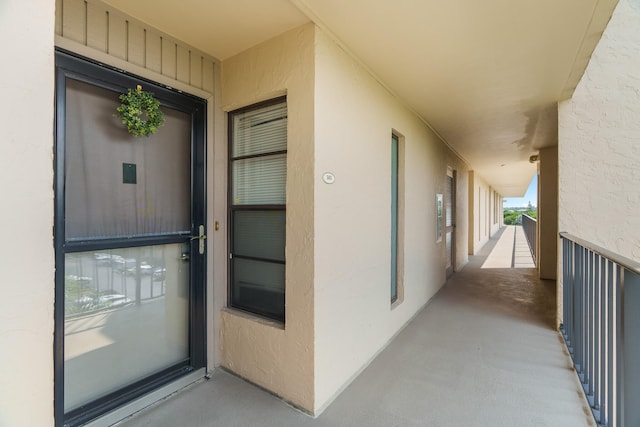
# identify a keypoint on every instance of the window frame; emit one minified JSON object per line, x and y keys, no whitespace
{"x":232,"y":208}
{"x":395,"y":210}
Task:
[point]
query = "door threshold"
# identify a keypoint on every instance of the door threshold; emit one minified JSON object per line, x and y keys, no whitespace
{"x":137,"y":405}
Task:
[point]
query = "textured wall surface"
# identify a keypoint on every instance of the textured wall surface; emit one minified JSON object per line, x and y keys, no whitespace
{"x":599,"y":141}
{"x":26,"y":173}
{"x":280,"y":359}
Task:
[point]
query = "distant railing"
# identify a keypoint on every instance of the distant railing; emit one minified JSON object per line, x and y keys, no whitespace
{"x":601,"y":327}
{"x":530,"y":226}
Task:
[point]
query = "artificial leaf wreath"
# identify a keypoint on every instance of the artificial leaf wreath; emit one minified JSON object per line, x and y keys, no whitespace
{"x":134,"y":104}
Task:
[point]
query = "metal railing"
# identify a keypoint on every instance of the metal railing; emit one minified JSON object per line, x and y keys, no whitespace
{"x":601,"y":328}
{"x":530,"y":226}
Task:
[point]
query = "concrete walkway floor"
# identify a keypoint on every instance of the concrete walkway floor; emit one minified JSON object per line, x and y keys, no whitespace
{"x":511,"y":250}
{"x":484,"y":352}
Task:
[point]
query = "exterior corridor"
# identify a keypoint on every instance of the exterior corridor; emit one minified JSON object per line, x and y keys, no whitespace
{"x":483,"y":352}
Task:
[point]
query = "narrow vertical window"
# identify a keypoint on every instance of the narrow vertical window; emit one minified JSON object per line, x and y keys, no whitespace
{"x":394,"y":217}
{"x":257,"y":180}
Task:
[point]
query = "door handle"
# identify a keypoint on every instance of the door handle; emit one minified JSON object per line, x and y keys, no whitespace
{"x":201,"y":237}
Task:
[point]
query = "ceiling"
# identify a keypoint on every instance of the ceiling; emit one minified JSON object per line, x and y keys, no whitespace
{"x":485,"y":75}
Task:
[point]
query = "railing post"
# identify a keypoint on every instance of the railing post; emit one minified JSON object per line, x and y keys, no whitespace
{"x":568,"y":287}
{"x":602,"y":406}
{"x":588,"y":317}
{"x":617,"y":350}
{"x":630,"y":348}
{"x":595,"y":318}
{"x":578,"y":337}
{"x":610,"y":344}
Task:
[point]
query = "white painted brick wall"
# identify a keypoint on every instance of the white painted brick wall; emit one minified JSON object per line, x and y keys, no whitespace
{"x":599,"y":141}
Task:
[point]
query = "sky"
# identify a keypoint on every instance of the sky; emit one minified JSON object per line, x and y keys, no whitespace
{"x":530,"y":196}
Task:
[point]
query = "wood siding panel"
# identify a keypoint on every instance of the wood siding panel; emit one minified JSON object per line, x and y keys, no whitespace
{"x":168,"y":58}
{"x":195,"y":79}
{"x":97,"y":27}
{"x":117,"y":36}
{"x":59,"y":17}
{"x":207,"y":76}
{"x":154,"y":51}
{"x":136,"y":44}
{"x":183,"y":64}
{"x":74,"y":20}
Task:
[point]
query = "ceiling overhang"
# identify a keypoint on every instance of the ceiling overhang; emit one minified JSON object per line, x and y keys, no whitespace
{"x":486,"y":76}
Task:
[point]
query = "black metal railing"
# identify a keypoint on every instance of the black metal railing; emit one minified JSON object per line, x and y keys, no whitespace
{"x":530,"y":227}
{"x":601,"y":328}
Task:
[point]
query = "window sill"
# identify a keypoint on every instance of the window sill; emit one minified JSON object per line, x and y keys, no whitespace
{"x":254,"y":318}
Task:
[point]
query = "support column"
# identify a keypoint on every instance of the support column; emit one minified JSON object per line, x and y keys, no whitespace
{"x":548,"y":213}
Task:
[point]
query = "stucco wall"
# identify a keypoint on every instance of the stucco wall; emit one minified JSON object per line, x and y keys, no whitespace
{"x":26,"y":226}
{"x":599,"y":141}
{"x":354,"y":120}
{"x":280,"y":359}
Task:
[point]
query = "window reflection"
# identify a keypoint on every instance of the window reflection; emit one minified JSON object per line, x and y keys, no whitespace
{"x":107,"y":280}
{"x":126,"y":317}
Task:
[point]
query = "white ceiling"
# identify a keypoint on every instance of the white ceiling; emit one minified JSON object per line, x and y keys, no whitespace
{"x":485,"y":75}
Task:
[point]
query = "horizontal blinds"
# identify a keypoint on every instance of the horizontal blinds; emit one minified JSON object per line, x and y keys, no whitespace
{"x":260,"y":131}
{"x":259,"y":275}
{"x":260,"y":180}
{"x":259,"y":234}
{"x":258,"y":287}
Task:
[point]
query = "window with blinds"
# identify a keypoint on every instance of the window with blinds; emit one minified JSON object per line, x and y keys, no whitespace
{"x":257,"y":208}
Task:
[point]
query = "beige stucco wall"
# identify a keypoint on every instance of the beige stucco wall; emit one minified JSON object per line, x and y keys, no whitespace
{"x":485,"y":215}
{"x":354,"y":120}
{"x":26,"y":225}
{"x":599,"y":141}
{"x":547,"y":255}
{"x":275,"y":357}
{"x":462,"y":210}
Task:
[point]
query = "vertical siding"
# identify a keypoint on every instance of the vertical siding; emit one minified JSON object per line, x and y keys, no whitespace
{"x":97,"y":25}
{"x":183,"y":64}
{"x":168,"y":58}
{"x":154,"y":52}
{"x":137,"y":44}
{"x":74,"y":20}
{"x":117,"y":36}
{"x":107,"y":30}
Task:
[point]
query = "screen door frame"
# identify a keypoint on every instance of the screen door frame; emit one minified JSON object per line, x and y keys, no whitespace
{"x":71,"y":66}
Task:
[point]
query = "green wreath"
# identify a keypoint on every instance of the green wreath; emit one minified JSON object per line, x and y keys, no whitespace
{"x":134,"y":104}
